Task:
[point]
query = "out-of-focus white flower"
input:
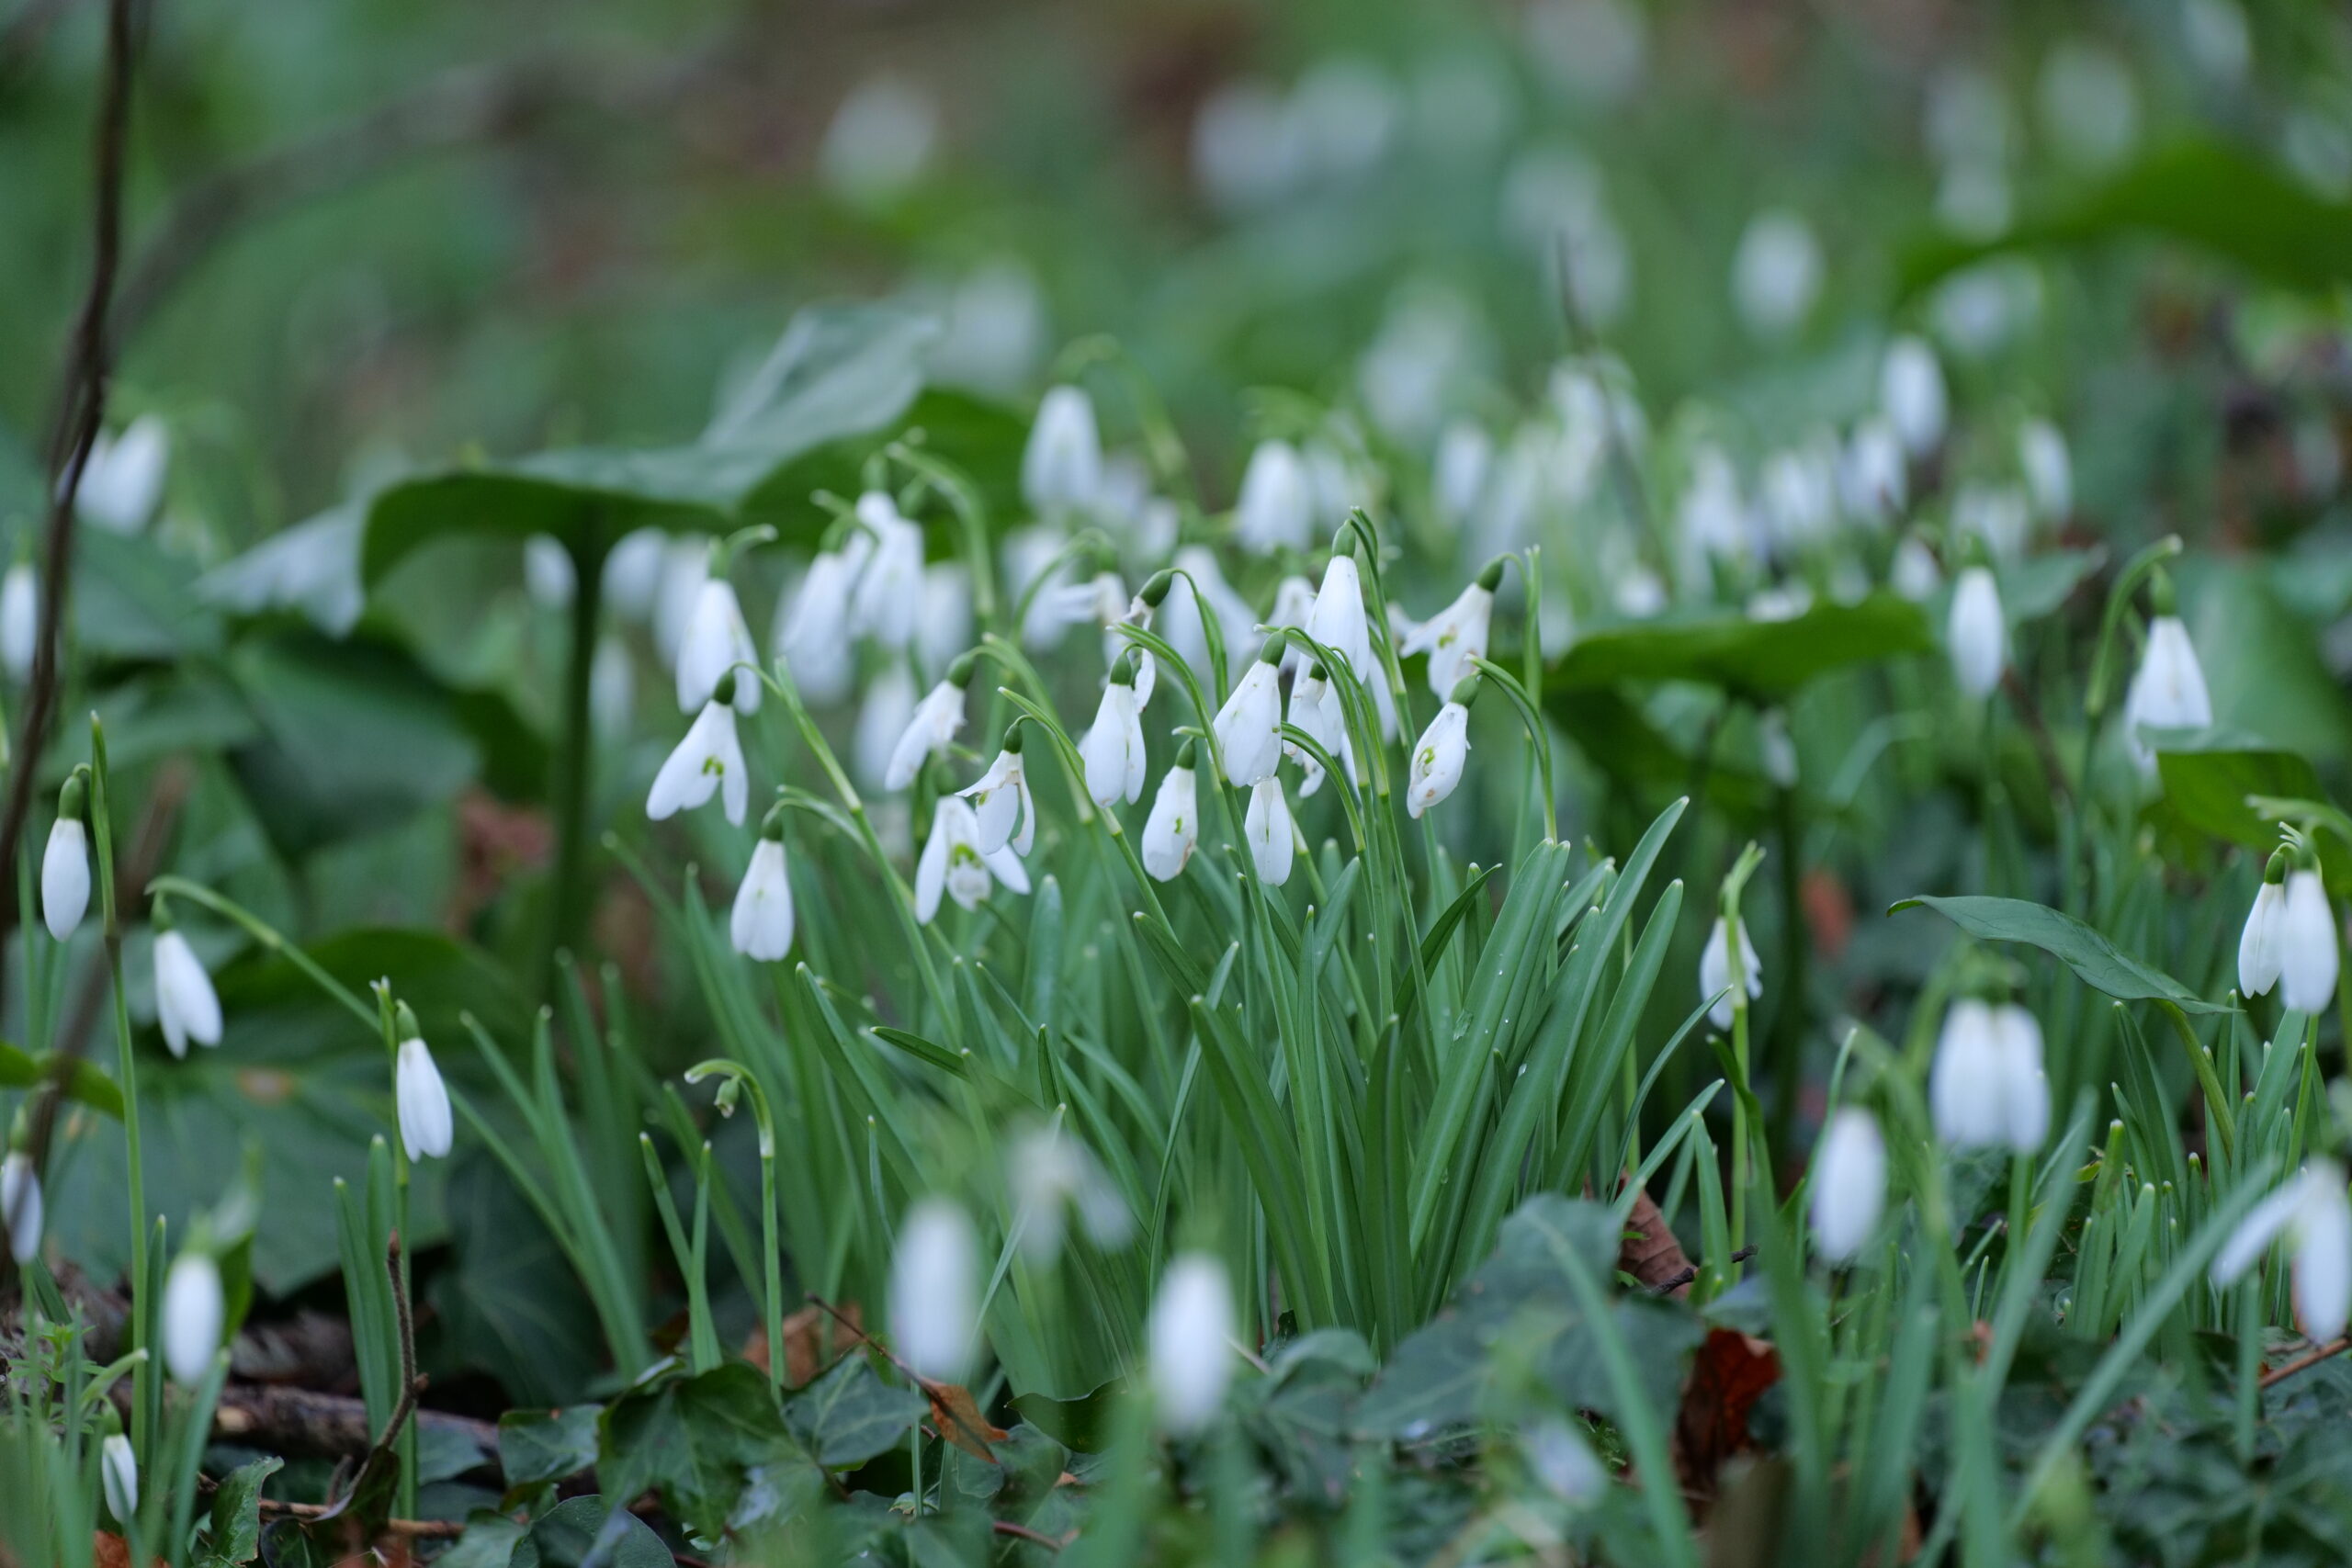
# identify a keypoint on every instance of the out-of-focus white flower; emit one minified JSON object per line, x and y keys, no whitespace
{"x":19,"y":619}
{"x":934,"y":1290}
{"x":1343,"y":115}
{"x":953,"y":862}
{"x":633,"y":572}
{"x":888,"y":595}
{"x":1780,"y":602}
{"x":119,"y":1477}
{"x":547,"y":571}
{"x":1061,"y":468}
{"x":2316,"y":1218}
{"x":2261,"y":948}
{"x":1987,"y":1089}
{"x":880,"y":141}
{"x":716,"y":641}
{"x":1776,"y":273}
{"x":1564,"y":1462}
{"x":2218,"y":38}
{"x":1048,"y":1172}
{"x":422,"y":1101}
{"x":1273,"y":842}
{"x":995,"y":331}
{"x":930,"y":730}
{"x":1294,"y":602}
{"x":1998,"y":515}
{"x":944,"y":628}
{"x":123,"y":480}
{"x":1190,"y":1336}
{"x":1426,"y":348}
{"x":1456,"y":634}
{"x":1244,"y":153}
{"x":2167,"y":691}
{"x":881,"y":719}
{"x":759,"y":925}
{"x":612,"y":686}
{"x":21,"y":1205}
{"x":2307,"y":956}
{"x":1911,"y":392}
{"x":1849,"y":1186}
{"x":1714,"y":971}
{"x":65,"y":877}
{"x":1976,"y":634}
{"x":1332,"y":480}
{"x":1799,"y":488}
{"x":813,"y":633}
{"x":1173,"y":829}
{"x":194,"y":1314}
{"x":1712,"y":514}
{"x":2089,"y":107}
{"x":1466,"y":455}
{"x":1872,"y":479}
{"x":1596,"y":49}
{"x":1001,"y":804}
{"x":1112,"y":749}
{"x":1914,"y":573}
{"x":186,"y":1005}
{"x":1248,"y":727}
{"x":1637,"y":592}
{"x":708,"y":760}
{"x":1438,"y":759}
{"x":2049,"y":471}
{"x":1276,"y":503}
{"x":685,"y":567}
{"x":1315,"y":708}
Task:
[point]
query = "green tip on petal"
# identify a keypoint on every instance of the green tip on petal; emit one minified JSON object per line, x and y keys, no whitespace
{"x":723,"y":693}
{"x":404,"y":1022}
{"x":1011,"y":745}
{"x":2276,"y":871}
{"x":960,"y":672}
{"x":772,"y":825}
{"x":1490,"y":576}
{"x":1270,"y":652}
{"x":1187,"y":752}
{"x":1466,"y":691}
{"x":2162,"y":600}
{"x":74,"y":799}
{"x":1123,"y":669}
{"x":1317,"y":672}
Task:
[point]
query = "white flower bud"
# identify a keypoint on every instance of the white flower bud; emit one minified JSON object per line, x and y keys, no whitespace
{"x":422,"y":1101}
{"x":119,"y":1477}
{"x":2307,"y":956}
{"x":1274,"y":843}
{"x":1849,"y":1188}
{"x":1174,"y":829}
{"x":2167,"y":691}
{"x":1191,"y":1336}
{"x":19,"y":620}
{"x":194,"y":1315}
{"x":1987,"y":1089}
{"x":21,"y":1205}
{"x":934,"y":725}
{"x":2313,"y":1212}
{"x":1438,"y":759}
{"x":2261,"y":949}
{"x":1911,"y":391}
{"x":1276,"y":503}
{"x":1714,"y":971}
{"x":1976,"y":634}
{"x":1248,"y":727}
{"x":1112,"y":749}
{"x":714,"y":640}
{"x":1061,"y":468}
{"x":65,"y":877}
{"x":759,"y":925}
{"x":186,"y":1004}
{"x":935,"y":1305}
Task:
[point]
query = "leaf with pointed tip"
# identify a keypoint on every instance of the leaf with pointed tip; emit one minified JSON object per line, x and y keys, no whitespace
{"x":2097,"y":962}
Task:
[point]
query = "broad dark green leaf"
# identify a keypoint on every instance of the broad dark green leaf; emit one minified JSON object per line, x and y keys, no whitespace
{"x":850,"y":1415}
{"x":513,"y":1307}
{"x":489,"y":1543}
{"x":2262,"y":662}
{"x":1616,"y":737}
{"x":2093,"y":959}
{"x":135,"y":599}
{"x":2209,"y":774}
{"x":586,"y":1529}
{"x":1082,"y":1424}
{"x":536,"y":1446}
{"x":1766,"y":661}
{"x":236,"y":1513}
{"x":693,"y":1440}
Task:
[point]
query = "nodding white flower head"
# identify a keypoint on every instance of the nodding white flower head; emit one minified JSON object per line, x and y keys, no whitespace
{"x":1911,"y":392}
{"x":2261,"y":947}
{"x":2167,"y":691}
{"x":1848,"y":1184}
{"x":813,"y":634}
{"x":1276,"y":503}
{"x":119,"y":1477}
{"x":934,"y":1297}
{"x":2306,"y":945}
{"x":122,"y":481}
{"x":1558,"y":1456}
{"x":633,"y":572}
{"x":1872,"y":484}
{"x":1113,"y":749}
{"x":1776,"y":273}
{"x":1191,"y":1336}
{"x":1912,"y":572}
{"x":65,"y":863}
{"x":707,"y":762}
{"x":1001,"y":802}
{"x":1294,"y":602}
{"x":887,"y":601}
{"x":1976,"y":634}
{"x":1714,"y":971}
{"x":1987,"y":1089}
{"x":954,"y":863}
{"x":759,"y":925}
{"x":1138,"y":614}
{"x":184,"y":1003}
{"x":933,"y":725}
{"x":1173,"y":829}
{"x":1200,"y":594}
{"x":548,"y":576}
{"x":1457,"y":633}
{"x":612,"y":686}
{"x":1061,"y":468}
{"x":2049,"y":471}
{"x":419,"y":1095}
{"x":685,"y":567}
{"x":944,"y":628}
{"x":1465,"y":457}
{"x":1713,"y":514}
{"x":1274,"y":843}
{"x":21,"y":1205}
{"x":882,"y":715}
{"x":1249,"y":727}
{"x":194,"y":1314}
{"x":1315,"y":708}
{"x":1048,"y":1172}
{"x":716,"y":641}
{"x":1437,"y":757}
{"x":19,"y":619}
{"x":1336,"y":618}
{"x":2312,"y":1212}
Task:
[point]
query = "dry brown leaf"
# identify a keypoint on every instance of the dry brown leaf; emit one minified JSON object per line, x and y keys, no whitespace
{"x":812,"y":1342}
{"x":1649,"y":1252}
{"x":956,"y":1415}
{"x":1730,"y":1372}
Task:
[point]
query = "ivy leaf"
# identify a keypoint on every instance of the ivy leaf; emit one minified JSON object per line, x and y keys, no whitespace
{"x":236,"y":1514}
{"x":536,"y":1447}
{"x":693,"y":1440}
{"x":850,"y":1415}
{"x":588,"y":1530}
{"x":2097,"y":962}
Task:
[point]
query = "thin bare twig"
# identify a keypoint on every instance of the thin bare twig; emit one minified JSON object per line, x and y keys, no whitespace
{"x":932,"y":1388}
{"x":2303,"y":1363}
{"x":1035,"y":1538}
{"x":412,"y":1529}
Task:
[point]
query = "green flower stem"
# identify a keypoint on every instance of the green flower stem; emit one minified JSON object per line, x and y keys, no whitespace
{"x":271,"y":939}
{"x":405,"y":1505}
{"x":146,"y":1378}
{"x":1539,"y":740}
{"x":770,"y":1250}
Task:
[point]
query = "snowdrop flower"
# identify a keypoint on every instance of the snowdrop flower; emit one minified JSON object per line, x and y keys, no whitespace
{"x":685,"y":567}
{"x":707,"y":762}
{"x":1437,"y":757}
{"x":882,"y":717}
{"x":2088,"y":104}
{"x":1564,"y":1462}
{"x":195,"y":1314}
{"x":21,"y":1205}
{"x":2311,"y":1210}
{"x":1776,"y":273}
{"x":760,"y":924}
{"x":421,"y":1097}
{"x":612,"y":686}
{"x":1336,"y":618}
{"x":888,"y":596}
{"x":2259,"y":946}
{"x":633,"y":572}
{"x":184,"y":1003}
{"x":1173,"y":829}
{"x":812,"y":633}
{"x":931,"y":727}
{"x":1987,"y":1089}
{"x":65,"y":863}
{"x":1466,"y":455}
{"x":934,"y":1304}
{"x":547,"y":571}
{"x":1276,"y":503}
{"x":1191,"y":1351}
{"x":2049,"y":471}
{"x":1714,"y":971}
{"x":1911,"y":391}
{"x":1248,"y":727}
{"x":1457,"y":633}
{"x":1199,"y":594}
{"x":1315,"y":708}
{"x":1976,"y":634}
{"x":1138,"y":614}
{"x":1112,"y":749}
{"x":1848,"y":1184}
{"x":19,"y":620}
{"x":944,"y":628}
{"x":715,"y":641}
{"x":1871,"y":482}
{"x":996,"y":329}
{"x":954,"y":863}
{"x":1800,"y":493}
{"x":119,"y":1477}
{"x":1001,"y":802}
{"x":1274,"y":843}
{"x":1061,"y":468}
{"x":2306,"y":945}
{"x":1712,"y":514}
{"x":1049,"y":1172}
{"x":1912,"y":572}
{"x":879,"y":141}
{"x":2167,"y":692}
{"x":1294,"y":602}
{"x":124,"y":479}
